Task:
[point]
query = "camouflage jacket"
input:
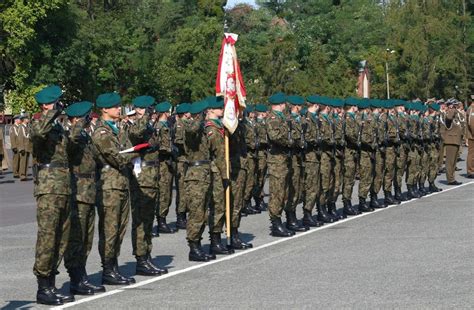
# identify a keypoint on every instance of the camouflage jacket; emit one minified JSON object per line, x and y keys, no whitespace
{"x":251,"y":136}
{"x":261,"y":127}
{"x":352,"y":131}
{"x":197,"y":149}
{"x":326,"y":131}
{"x":339,"y":128}
{"x":215,"y":136}
{"x":109,"y":143}
{"x":50,"y":145}
{"x":368,"y":131}
{"x":179,"y":139}
{"x":238,"y":147}
{"x":312,"y":137}
{"x":278,"y":131}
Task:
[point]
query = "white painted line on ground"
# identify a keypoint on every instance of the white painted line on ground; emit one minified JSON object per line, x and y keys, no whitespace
{"x":240,"y":253}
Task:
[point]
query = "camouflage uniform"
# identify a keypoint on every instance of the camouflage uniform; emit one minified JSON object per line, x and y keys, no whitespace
{"x":327,"y":157}
{"x":238,"y":175}
{"x":392,"y":140}
{"x":413,"y":160}
{"x":166,"y":168}
{"x":261,"y":169}
{"x":295,"y":163}
{"x":52,"y":191}
{"x":312,"y":161}
{"x":338,"y":158}
{"x":367,"y":153}
{"x":179,"y":173}
{"x":352,"y":131}
{"x":401,"y":159}
{"x":144,"y":187}
{"x":379,"y":131}
{"x":251,"y":141}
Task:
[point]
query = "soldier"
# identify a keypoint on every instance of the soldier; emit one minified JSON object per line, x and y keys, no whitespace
{"x":379,"y":151}
{"x":433,"y":143}
{"x":83,"y":167}
{"x":352,"y":135}
{"x":368,"y":146}
{"x":53,"y":192}
{"x":24,"y":146}
{"x":297,"y":128}
{"x":113,"y":193}
{"x":182,"y":113}
{"x":280,"y":140}
{"x":391,"y":140}
{"x":14,"y":142}
{"x":442,"y":120}
{"x":251,"y":141}
{"x":261,"y":169}
{"x":197,"y":180}
{"x":413,"y":159}
{"x":144,"y":187}
{"x":166,"y":146}
{"x":470,"y":139}
{"x":312,"y":163}
{"x":452,"y":142}
{"x":401,"y":155}
{"x":220,"y":182}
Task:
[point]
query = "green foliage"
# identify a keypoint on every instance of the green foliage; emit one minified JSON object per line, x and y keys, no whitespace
{"x":169,"y":49}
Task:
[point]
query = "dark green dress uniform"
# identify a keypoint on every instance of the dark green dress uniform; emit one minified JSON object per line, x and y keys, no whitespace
{"x":113,"y":192}
{"x":144,"y":189}
{"x":83,"y":167}
{"x":180,"y":164}
{"x":53,"y":196}
{"x":280,"y":141}
{"x":165,"y":144}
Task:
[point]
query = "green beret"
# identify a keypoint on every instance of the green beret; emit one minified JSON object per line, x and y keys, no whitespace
{"x":163,"y":107}
{"x":364,"y":103}
{"x":314,"y":99}
{"x":337,"y":103}
{"x":374,"y":103}
{"x":250,"y":108}
{"x":295,"y":100}
{"x":407,"y":105}
{"x":48,"y":94}
{"x":143,"y":101}
{"x":79,"y":109}
{"x":198,"y":107}
{"x":261,"y":108}
{"x":277,"y":98}
{"x":324,"y":100}
{"x":435,"y":107}
{"x":398,"y":102}
{"x":351,"y":102}
{"x":108,"y":100}
{"x":215,"y":102}
{"x":182,"y":108}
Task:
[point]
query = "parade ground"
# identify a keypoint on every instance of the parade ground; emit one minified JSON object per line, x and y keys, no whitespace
{"x":417,"y":255}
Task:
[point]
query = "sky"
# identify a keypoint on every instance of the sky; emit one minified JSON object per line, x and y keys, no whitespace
{"x":232,"y":3}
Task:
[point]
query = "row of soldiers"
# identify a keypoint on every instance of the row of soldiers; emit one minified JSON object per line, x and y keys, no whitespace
{"x":310,"y":157}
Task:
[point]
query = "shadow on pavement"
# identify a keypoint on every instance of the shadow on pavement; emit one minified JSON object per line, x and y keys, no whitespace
{"x":19,"y":304}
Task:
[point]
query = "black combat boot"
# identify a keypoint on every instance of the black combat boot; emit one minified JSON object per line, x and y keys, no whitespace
{"x":235,"y":241}
{"x":130,"y":280}
{"x":110,"y":276}
{"x":45,"y":294}
{"x":348,"y":209}
{"x":163,"y":227}
{"x":422,"y":189}
{"x":152,"y":264}
{"x":181,"y":220}
{"x":252,"y":208}
{"x":323,"y":215}
{"x":144,"y":268}
{"x":363,"y":207}
{"x":260,"y":204}
{"x":196,"y":254}
{"x":309,"y":221}
{"x":278,"y":230}
{"x":85,"y":278}
{"x":217,"y":247}
{"x":414,"y":192}
{"x":292,"y":222}
{"x":333,"y":212}
{"x":78,"y":285}
{"x":64,"y":296}
{"x":388,"y":200}
{"x":374,"y":201}
{"x":434,"y":189}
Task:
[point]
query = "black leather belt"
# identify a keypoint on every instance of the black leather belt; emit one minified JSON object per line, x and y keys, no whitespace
{"x":52,"y":165}
{"x":150,"y":163}
{"x":198,"y":163}
{"x":85,"y":175}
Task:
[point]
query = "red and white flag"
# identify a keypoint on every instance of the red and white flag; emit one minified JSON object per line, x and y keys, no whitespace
{"x":229,"y":82}
{"x":363,"y":82}
{"x":136,"y":148}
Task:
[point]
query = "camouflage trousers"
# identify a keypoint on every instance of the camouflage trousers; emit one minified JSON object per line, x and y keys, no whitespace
{"x":217,"y":204}
{"x":425,"y":164}
{"x":238,"y":177}
{"x":366,"y":173}
{"x":295,"y":183}
{"x":378,"y":173}
{"x":336,"y":178}
{"x":400,"y":166}
{"x":261,"y":171}
{"x":143,"y":201}
{"x":114,"y":211}
{"x":311,"y":183}
{"x":278,"y":184}
{"x":433,"y":163}
{"x":197,"y":186}
{"x":251,"y":178}
{"x":350,"y":163}
{"x":81,"y":235}
{"x":179,"y":183}
{"x":166,"y":189}
{"x":326,"y":170}
{"x":413,"y":164}
{"x":53,"y":217}
{"x":389,"y":168}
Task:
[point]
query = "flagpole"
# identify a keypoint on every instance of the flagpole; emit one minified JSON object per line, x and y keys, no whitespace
{"x":227,"y":190}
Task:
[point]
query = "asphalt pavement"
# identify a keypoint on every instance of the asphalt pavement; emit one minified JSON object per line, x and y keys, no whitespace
{"x":417,"y":255}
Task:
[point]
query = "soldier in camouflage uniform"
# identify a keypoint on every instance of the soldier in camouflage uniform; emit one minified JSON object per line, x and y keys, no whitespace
{"x":425,"y":156}
{"x":53,"y":194}
{"x":433,"y":147}
{"x":280,"y":140}
{"x":215,"y":134}
{"x":297,"y":127}
{"x":379,"y":151}
{"x":182,"y":112}
{"x":401,"y":159}
{"x":83,"y":168}
{"x":312,"y":163}
{"x":352,"y":137}
{"x":251,"y":141}
{"x":261,"y":169}
{"x":413,"y":159}
{"x":144,"y":187}
{"x":392,"y":142}
{"x":113,"y":192}
{"x":166,"y":147}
